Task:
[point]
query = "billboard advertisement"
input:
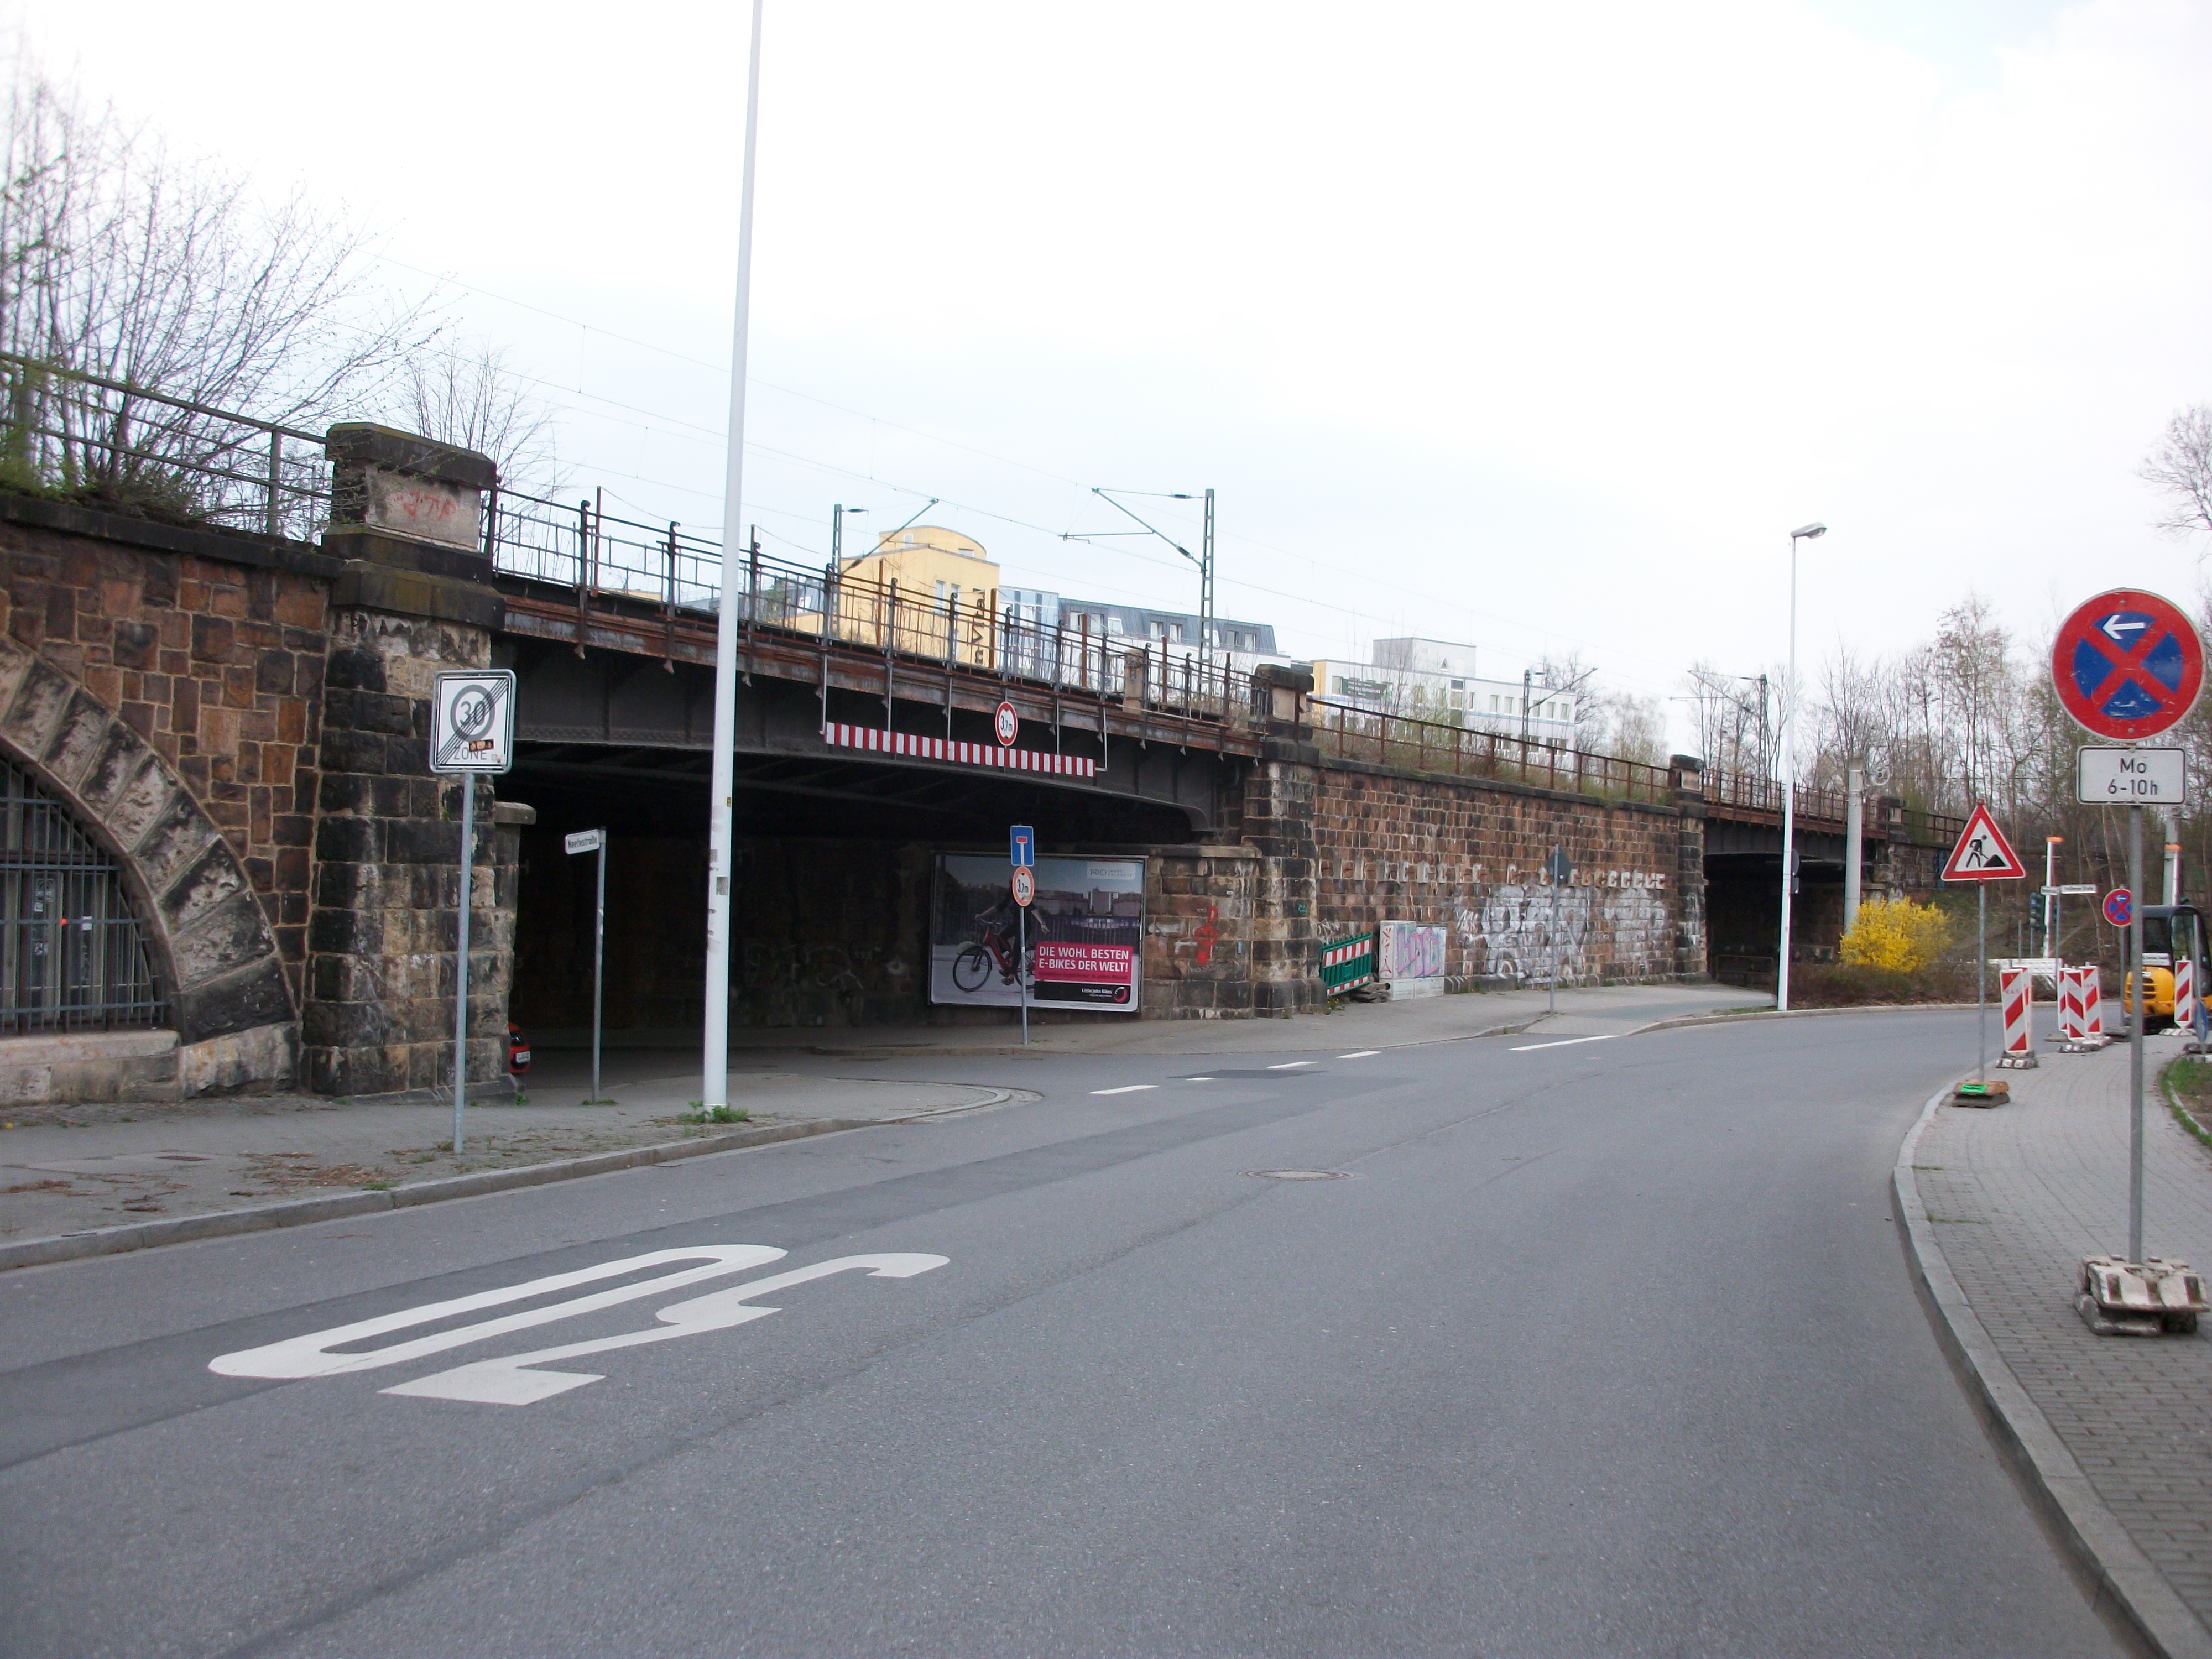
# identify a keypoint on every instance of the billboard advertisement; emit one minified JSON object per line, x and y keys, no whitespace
{"x":1086,"y":930}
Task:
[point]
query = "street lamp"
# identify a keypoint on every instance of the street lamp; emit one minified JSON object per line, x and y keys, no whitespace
{"x":1805,"y":532}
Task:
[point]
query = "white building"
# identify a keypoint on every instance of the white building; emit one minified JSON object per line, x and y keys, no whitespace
{"x":1435,"y":680}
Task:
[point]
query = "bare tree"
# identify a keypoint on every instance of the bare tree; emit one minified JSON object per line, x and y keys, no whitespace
{"x":123,"y":263}
{"x":470,"y":397}
{"x":2180,"y":470}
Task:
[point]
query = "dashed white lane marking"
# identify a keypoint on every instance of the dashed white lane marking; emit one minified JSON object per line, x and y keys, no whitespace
{"x":1126,"y":1089}
{"x":1361,"y":1053}
{"x":1564,"y":1042}
{"x":1290,"y":1066}
{"x":1197,"y":1079}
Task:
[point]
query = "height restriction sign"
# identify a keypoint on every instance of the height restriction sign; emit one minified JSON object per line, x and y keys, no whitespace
{"x":2128,"y":665}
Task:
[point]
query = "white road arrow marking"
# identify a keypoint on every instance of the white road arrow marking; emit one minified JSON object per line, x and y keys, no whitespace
{"x":513,"y":1380}
{"x":311,"y":1356}
{"x":2111,"y":628}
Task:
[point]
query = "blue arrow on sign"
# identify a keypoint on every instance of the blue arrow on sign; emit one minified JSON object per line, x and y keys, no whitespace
{"x":1022,"y":842}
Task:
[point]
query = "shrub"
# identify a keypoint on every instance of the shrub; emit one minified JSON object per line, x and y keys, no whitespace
{"x":1896,"y":935}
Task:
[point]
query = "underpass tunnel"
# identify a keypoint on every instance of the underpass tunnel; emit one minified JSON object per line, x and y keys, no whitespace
{"x":834,"y":861}
{"x":1743,"y":910}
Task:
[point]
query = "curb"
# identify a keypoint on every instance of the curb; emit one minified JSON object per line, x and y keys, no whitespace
{"x":334,"y":1206}
{"x":1803,"y":1013}
{"x":2123,"y":1574}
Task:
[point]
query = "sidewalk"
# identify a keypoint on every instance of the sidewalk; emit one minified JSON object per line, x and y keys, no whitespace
{"x":2002,"y":1205}
{"x":110,"y":1166}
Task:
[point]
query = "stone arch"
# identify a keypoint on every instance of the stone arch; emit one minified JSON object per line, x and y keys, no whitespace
{"x":211,"y":944}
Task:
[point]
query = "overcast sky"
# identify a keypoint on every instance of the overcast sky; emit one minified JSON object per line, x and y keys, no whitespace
{"x":1537,"y":327}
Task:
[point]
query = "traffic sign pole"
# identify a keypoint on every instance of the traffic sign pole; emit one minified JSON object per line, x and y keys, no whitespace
{"x":2136,"y":1039}
{"x":461,"y":959}
{"x":471,"y":731}
{"x":599,"y":961}
{"x":1982,"y":981}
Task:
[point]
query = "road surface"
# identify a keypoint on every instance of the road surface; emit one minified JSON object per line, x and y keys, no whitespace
{"x":1602,"y":1346}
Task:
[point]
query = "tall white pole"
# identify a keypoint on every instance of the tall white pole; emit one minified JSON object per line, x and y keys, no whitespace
{"x":714,"y":1083}
{"x":1788,"y":789}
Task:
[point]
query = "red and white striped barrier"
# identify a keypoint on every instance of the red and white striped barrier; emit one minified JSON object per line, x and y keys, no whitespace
{"x":2185,"y":992}
{"x":2017,"y":994}
{"x":915,"y":744}
{"x":2092,"y":1004}
{"x":2070,"y":1012}
{"x":2084,"y":1028}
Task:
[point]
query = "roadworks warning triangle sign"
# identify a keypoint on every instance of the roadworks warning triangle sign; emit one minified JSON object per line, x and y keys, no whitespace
{"x":1982,"y":854}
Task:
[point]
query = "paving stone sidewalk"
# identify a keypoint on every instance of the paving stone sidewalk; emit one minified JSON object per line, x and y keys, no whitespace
{"x":89,"y":1167}
{"x":2017,"y":1196}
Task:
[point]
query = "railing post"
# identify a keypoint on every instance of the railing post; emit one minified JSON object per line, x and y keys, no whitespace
{"x":276,"y":523}
{"x":668,"y":603}
{"x":583,"y":571}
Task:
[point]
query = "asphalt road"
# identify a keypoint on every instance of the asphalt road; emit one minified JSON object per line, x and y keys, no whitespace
{"x":1603,"y":1348}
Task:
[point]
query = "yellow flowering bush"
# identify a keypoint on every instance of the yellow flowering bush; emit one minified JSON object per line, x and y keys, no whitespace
{"x":1896,"y":934}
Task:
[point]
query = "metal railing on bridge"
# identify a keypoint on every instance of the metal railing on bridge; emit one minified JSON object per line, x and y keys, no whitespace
{"x":1756,"y":794}
{"x":606,"y":561}
{"x":101,"y":442}
{"x":1350,"y":732}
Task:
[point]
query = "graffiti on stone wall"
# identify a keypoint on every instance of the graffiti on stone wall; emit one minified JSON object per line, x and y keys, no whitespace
{"x":1613,"y":923}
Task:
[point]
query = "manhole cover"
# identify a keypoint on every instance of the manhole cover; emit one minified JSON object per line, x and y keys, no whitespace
{"x":1301,"y":1175}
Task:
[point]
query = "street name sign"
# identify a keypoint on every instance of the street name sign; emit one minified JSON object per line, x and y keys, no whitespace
{"x":2127,"y":664}
{"x":2119,"y":906}
{"x":2075,"y":890}
{"x":1982,"y":854}
{"x":586,"y":840}
{"x":2130,"y":777}
{"x":472,"y":721}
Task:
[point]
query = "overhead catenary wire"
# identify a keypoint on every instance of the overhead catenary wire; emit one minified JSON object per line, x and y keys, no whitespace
{"x":655,"y":422}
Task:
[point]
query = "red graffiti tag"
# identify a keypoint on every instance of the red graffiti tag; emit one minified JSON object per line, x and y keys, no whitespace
{"x":1207,"y":932}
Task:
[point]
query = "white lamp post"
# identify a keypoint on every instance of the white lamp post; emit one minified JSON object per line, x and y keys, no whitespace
{"x":1803,"y":532}
{"x":714,"y":1058}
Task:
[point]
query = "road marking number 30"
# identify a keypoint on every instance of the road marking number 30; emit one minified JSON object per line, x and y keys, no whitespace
{"x":514,"y":1379}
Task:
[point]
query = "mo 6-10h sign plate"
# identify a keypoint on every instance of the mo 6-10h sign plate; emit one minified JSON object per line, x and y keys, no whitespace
{"x":472,"y":721}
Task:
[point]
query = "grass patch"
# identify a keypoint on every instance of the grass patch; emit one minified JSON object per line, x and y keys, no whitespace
{"x":699,"y":1114}
{"x":2187,"y":1082}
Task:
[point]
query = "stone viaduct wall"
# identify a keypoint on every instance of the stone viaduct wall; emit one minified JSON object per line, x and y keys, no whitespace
{"x":242,"y":724}
{"x":1469,"y":857}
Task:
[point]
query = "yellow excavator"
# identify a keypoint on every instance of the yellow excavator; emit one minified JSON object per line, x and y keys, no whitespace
{"x":2165,"y":927}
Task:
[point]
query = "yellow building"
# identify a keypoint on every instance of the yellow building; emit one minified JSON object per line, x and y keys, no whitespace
{"x":939,"y":580}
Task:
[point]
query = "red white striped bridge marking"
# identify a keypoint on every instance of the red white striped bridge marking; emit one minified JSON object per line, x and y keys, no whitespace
{"x":915,"y":745}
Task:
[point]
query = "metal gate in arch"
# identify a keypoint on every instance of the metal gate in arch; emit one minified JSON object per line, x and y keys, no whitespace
{"x":72,"y":952}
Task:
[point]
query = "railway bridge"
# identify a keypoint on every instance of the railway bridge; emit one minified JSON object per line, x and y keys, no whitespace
{"x":228,"y":716}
